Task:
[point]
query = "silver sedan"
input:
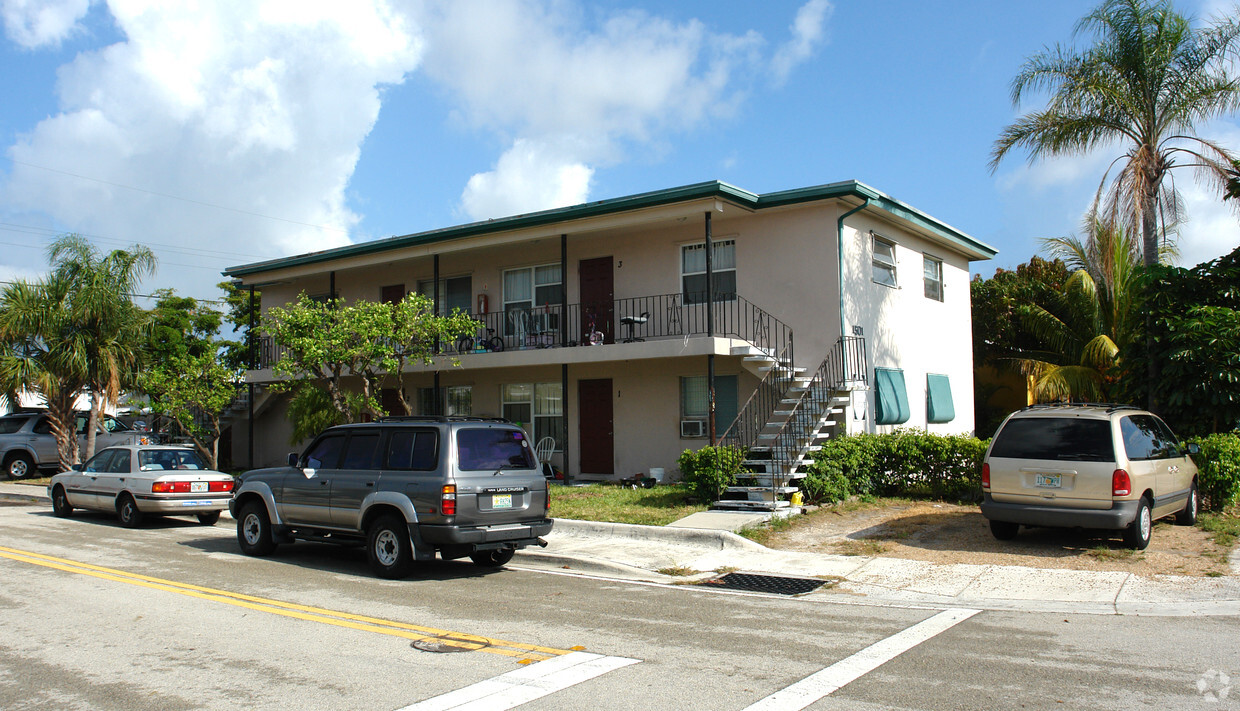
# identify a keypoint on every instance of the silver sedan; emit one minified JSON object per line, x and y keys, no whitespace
{"x":137,"y":480}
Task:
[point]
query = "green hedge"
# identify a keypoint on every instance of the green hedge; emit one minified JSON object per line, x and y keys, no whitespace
{"x":904,"y":463}
{"x":710,"y":470}
{"x":1218,"y":470}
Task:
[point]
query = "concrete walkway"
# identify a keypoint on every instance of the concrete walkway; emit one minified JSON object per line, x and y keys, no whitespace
{"x":639,"y":553}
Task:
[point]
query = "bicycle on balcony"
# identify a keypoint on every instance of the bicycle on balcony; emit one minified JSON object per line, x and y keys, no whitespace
{"x":479,"y":343}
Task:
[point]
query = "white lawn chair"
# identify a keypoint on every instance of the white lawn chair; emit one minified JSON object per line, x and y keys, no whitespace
{"x":544,"y":449}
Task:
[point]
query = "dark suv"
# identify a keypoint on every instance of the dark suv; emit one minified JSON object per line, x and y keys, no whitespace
{"x":406,"y":488}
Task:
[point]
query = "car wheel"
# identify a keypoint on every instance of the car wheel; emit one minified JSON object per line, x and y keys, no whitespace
{"x":1137,"y":535}
{"x":19,"y":465}
{"x":492,"y":558}
{"x":389,"y":549}
{"x":60,"y":503}
{"x":1004,"y":530}
{"x":254,"y":530}
{"x":209,"y":519}
{"x":1188,"y":516}
{"x":127,"y":511}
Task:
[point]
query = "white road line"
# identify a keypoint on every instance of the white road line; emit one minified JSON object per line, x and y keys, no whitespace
{"x":820,"y":684}
{"x":526,"y":684}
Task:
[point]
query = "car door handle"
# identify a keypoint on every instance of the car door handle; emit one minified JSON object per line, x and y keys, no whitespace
{"x":323,"y":482}
{"x":370,"y":483}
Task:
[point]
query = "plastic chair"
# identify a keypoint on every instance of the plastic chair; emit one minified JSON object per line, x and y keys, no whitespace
{"x":544,"y":449}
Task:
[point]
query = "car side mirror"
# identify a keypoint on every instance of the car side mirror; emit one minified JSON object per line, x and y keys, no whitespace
{"x":76,"y":467}
{"x":292,"y":459}
{"x":1194,"y":448}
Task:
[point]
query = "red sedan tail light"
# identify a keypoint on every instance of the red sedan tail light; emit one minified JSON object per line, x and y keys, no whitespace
{"x":221,"y":486}
{"x":170,"y":487}
{"x":1121,"y":484}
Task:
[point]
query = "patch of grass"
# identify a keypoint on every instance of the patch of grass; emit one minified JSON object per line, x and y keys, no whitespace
{"x":1223,"y":527}
{"x":618,"y":504}
{"x":860,"y":546}
{"x":41,"y":481}
{"x":725,"y":569}
{"x":1103,"y":552}
{"x":678,"y":571}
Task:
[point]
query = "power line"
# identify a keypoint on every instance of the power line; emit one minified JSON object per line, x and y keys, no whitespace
{"x":48,"y":232}
{"x":175,"y":197}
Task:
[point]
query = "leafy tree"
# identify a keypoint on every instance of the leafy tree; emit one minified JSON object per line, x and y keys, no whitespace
{"x":194,"y":390}
{"x":330,"y":341}
{"x":1196,"y":313}
{"x":40,"y":344}
{"x":111,"y":328}
{"x":1147,"y":80}
{"x":239,"y":309}
{"x":1086,"y":328}
{"x":998,"y":338}
{"x":181,"y":326}
{"x":310,"y":410}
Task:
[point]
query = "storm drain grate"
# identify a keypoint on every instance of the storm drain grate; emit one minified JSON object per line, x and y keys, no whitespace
{"x":450,"y":643}
{"x":765,"y":583}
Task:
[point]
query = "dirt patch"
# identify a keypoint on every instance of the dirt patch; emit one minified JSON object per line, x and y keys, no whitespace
{"x":953,"y":533}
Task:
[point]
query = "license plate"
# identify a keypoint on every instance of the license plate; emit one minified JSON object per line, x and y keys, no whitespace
{"x":1048,"y":480}
{"x":501,"y":501}
{"x":197,"y":486}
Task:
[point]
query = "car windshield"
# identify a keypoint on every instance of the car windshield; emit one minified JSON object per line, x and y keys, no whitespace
{"x":1063,"y":438}
{"x":492,"y":449}
{"x":9,"y":425}
{"x":156,"y":459}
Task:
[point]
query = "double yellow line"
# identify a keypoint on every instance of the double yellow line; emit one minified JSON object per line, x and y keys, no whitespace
{"x":527,"y":653}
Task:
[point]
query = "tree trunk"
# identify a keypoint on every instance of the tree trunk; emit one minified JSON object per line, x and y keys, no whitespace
{"x":1149,"y":247}
{"x":63,"y":422}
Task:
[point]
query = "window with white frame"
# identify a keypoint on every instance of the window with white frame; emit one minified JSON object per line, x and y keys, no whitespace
{"x":884,"y":261}
{"x":531,"y":299}
{"x":693,"y":271}
{"x":933,"y":270}
{"x":539,"y":407}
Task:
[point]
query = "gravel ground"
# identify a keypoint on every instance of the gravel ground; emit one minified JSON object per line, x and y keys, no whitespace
{"x":952,"y":533}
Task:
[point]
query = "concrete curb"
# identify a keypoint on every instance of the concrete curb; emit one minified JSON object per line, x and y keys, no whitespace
{"x":700,"y":537}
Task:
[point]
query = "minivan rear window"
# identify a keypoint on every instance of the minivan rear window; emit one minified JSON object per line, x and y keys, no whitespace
{"x":1063,"y":438}
{"x":492,"y":449}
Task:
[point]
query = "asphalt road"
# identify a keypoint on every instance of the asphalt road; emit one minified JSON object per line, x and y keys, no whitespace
{"x":94,"y":616}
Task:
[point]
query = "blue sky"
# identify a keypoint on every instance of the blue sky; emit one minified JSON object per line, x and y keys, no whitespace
{"x":249,"y":130}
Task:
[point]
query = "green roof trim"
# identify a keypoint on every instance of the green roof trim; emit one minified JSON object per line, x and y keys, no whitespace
{"x":658,"y":198}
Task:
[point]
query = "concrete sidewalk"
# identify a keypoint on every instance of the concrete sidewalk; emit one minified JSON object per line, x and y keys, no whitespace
{"x":638,"y":553}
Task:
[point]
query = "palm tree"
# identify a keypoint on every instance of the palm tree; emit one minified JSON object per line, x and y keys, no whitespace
{"x":37,"y":355}
{"x":1146,"y":82}
{"x":1085,"y":328}
{"x":107,"y":346}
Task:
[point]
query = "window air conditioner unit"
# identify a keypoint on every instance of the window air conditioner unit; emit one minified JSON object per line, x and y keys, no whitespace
{"x":692,"y":428}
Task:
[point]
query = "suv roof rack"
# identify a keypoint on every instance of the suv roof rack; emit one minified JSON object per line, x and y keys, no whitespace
{"x":1110,"y":406}
{"x":440,"y":418}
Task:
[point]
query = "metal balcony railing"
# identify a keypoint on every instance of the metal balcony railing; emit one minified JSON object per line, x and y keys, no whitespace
{"x":642,"y":318}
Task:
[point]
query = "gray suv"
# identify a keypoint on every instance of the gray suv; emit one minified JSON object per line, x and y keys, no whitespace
{"x":405,"y":488}
{"x":28,"y":445}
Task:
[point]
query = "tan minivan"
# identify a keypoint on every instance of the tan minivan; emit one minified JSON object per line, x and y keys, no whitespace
{"x":1087,"y":466}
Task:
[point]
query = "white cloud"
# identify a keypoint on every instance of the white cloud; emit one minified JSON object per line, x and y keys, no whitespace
{"x":807,"y":33}
{"x":257,"y":106}
{"x":35,"y":23}
{"x":527,"y":174}
{"x":566,"y":96}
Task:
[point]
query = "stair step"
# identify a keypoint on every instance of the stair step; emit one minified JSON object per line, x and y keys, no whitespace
{"x":750,"y":505}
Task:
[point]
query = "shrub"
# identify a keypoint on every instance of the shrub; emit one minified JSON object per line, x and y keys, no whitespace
{"x":903,"y":463}
{"x":1218,"y":470}
{"x":710,"y":470}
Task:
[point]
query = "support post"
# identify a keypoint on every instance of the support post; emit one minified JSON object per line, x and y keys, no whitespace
{"x":710,"y":331}
{"x":564,"y":302}
{"x":564,"y":418}
{"x":249,"y":336}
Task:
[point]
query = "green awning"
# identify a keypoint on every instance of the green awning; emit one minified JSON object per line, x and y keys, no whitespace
{"x":939,"y":406}
{"x":891,"y":400}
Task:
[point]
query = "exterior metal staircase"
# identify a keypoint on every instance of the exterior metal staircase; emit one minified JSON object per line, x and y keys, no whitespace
{"x":786,"y":420}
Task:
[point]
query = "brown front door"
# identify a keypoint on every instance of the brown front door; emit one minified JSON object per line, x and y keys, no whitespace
{"x":597,"y":443}
{"x":597,"y":294}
